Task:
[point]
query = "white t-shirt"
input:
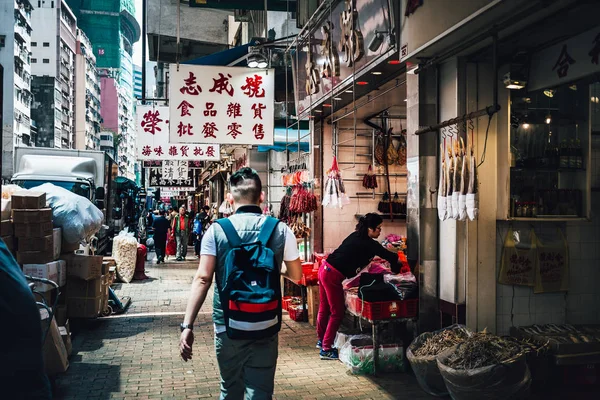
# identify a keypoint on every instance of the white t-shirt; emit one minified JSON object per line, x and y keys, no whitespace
{"x":290,"y":252}
{"x":209,"y":248}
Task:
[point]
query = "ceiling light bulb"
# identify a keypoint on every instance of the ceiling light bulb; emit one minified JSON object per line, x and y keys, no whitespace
{"x":337,"y":98}
{"x":376,"y":72}
{"x":525,"y":125}
{"x":349,"y":91}
{"x":548,"y":119}
{"x":262,"y":64}
{"x":253,"y":64}
{"x":549,"y":92}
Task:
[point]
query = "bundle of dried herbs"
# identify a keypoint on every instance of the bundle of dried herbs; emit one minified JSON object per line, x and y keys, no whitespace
{"x":441,"y":341}
{"x":482,"y":350}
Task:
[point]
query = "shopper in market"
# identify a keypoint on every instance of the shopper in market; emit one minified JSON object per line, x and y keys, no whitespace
{"x":197,"y":232}
{"x":180,"y":225}
{"x":161,"y":230}
{"x":21,"y":364}
{"x":355,"y":252}
{"x":247,"y":366}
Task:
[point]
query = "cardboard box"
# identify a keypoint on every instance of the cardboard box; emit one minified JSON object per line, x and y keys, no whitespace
{"x":57,"y":242}
{"x":6,"y":228}
{"x":86,"y":289}
{"x":79,"y":307}
{"x":83,"y":267}
{"x":61,"y":269}
{"x":47,"y":271}
{"x":68,"y":248}
{"x":36,"y":230}
{"x":65,"y":335}
{"x":35,"y":257}
{"x":10,"y":242}
{"x":60,"y":313}
{"x":32,"y":216}
{"x":28,"y":200}
{"x":55,"y":353}
{"x":313,"y":304}
{"x":36,"y":244}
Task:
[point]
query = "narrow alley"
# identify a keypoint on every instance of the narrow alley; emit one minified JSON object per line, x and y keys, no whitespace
{"x":136,"y":355}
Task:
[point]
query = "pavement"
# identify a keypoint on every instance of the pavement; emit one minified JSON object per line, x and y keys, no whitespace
{"x":136,"y":355}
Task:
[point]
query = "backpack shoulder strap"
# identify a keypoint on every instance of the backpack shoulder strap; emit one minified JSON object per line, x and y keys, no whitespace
{"x":267,"y":230}
{"x":232,"y":235}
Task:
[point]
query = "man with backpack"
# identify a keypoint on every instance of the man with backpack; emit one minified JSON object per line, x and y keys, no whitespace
{"x":245,"y":252}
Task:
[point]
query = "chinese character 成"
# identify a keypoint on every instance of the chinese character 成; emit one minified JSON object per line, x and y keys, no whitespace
{"x":234,"y":129}
{"x":210,"y":111}
{"x":252,"y":88}
{"x":146,"y":151}
{"x":259,"y":131}
{"x":185,"y":108}
{"x":222,"y":84}
{"x":257,"y":108}
{"x":184,"y":129}
{"x":234,"y":110}
{"x":191,"y":87}
{"x":150,"y":122}
{"x":563,"y":63}
{"x":209,"y":129}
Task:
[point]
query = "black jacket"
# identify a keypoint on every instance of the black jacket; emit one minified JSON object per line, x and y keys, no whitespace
{"x":161,"y":227}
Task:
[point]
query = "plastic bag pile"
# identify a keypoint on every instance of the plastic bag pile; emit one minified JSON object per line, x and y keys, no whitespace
{"x":124,"y":252}
{"x":76,"y":215}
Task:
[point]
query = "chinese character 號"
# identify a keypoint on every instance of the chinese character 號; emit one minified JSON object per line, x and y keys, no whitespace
{"x":234,"y":129}
{"x":222,"y":84}
{"x":184,"y":151}
{"x":210,"y":111}
{"x":146,"y":151}
{"x":257,"y":108}
{"x":158,"y":151}
{"x":150,"y":122}
{"x":259,"y":131}
{"x":198,"y":151}
{"x":252,"y":88}
{"x":185,"y":108}
{"x":191,"y":87}
{"x":184,"y":129}
{"x":563,"y":63}
{"x":234,"y":110}
{"x":209,"y":129}
{"x":210,"y":151}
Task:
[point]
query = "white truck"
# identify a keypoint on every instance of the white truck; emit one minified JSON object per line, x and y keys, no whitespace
{"x":87,"y":173}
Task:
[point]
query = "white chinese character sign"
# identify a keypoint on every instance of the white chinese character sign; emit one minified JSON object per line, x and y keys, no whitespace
{"x":153,"y":139}
{"x":221,"y":105}
{"x":174,"y":170}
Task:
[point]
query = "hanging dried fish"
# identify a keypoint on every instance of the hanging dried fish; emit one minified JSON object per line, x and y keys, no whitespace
{"x":441,"y":201}
{"x":449,"y":183}
{"x":482,"y":350}
{"x":456,"y":179}
{"x":472,"y":199}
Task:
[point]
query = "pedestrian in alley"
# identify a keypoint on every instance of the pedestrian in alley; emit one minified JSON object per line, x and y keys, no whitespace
{"x":197,"y":232}
{"x":21,"y":364}
{"x":356,"y":251}
{"x":180,"y":226}
{"x":246,"y":332}
{"x":161,"y":229}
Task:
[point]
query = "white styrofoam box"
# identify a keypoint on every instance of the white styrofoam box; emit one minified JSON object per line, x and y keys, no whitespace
{"x":46,"y":271}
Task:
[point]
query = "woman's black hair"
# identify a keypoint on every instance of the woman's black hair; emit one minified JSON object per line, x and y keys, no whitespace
{"x":371,"y":220}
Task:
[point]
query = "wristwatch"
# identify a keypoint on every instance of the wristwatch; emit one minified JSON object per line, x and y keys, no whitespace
{"x":186,"y":326}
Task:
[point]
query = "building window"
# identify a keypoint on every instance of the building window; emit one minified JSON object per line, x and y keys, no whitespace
{"x":34,"y":60}
{"x":46,"y":61}
{"x":33,"y":44}
{"x":46,"y":44}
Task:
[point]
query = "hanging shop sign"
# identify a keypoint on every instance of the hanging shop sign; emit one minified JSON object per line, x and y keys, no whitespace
{"x":174,"y":170}
{"x":153,"y":139}
{"x":221,"y":105}
{"x":156,"y":178}
{"x":565,"y":62}
{"x":158,"y":163}
{"x":338,"y":49}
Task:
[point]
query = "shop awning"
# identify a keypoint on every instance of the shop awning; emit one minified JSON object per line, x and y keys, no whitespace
{"x":223,"y":58}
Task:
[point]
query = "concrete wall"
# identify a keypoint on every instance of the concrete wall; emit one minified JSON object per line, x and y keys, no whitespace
{"x":110,"y":105}
{"x":44,"y":21}
{"x":43,"y":111}
{"x":7,"y":23}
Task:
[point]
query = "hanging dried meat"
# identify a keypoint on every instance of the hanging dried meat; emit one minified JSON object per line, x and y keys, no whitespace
{"x":402,"y":149}
{"x":384,"y":204}
{"x":370,"y":179}
{"x":472,"y":199}
{"x":379,"y":151}
{"x":441,"y":202}
{"x":335,"y":192}
{"x":284,"y":208}
{"x":449,"y":183}
{"x":392,"y":153}
{"x":302,"y":200}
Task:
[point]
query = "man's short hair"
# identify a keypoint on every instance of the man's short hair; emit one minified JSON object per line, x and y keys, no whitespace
{"x":245,"y":185}
{"x":206,"y":208}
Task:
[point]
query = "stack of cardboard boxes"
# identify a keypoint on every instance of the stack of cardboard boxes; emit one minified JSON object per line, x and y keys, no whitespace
{"x":87,"y":286}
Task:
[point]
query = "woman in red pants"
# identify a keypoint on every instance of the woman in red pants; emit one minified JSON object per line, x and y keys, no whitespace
{"x":355,"y":252}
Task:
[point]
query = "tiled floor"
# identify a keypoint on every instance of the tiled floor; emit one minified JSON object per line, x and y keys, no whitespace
{"x":135,"y":355}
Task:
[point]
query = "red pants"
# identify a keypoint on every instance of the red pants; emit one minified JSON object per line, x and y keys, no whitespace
{"x":332,"y":305}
